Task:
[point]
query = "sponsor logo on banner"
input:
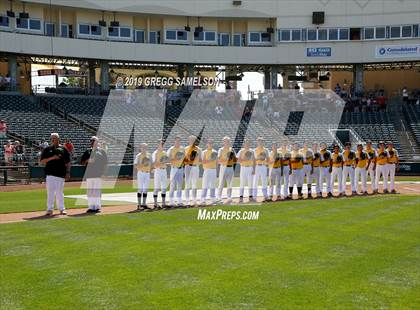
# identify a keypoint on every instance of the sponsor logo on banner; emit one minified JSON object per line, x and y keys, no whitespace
{"x":318,"y":52}
{"x":409,"y":50}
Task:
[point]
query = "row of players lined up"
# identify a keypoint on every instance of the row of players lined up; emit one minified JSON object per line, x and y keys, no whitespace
{"x":280,"y":166}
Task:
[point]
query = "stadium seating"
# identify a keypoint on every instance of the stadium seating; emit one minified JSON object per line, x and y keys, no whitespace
{"x":80,"y":116}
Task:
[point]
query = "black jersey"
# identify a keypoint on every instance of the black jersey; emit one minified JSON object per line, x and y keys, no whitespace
{"x":56,"y":167}
{"x":97,"y":167}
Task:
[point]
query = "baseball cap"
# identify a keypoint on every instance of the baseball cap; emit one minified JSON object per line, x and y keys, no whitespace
{"x":94,"y":138}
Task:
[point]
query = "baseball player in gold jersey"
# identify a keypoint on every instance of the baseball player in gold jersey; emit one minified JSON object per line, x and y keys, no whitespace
{"x":362,"y":163}
{"x":382,"y":166}
{"x":337,"y":170}
{"x":393,"y":163}
{"x":261,"y":163}
{"x":192,"y":161}
{"x":296,"y":177}
{"x":209,"y":162}
{"x":316,"y":172}
{"x":308,"y":157}
{"x":286,"y":168}
{"x":326,"y":168}
{"x":226,"y":157}
{"x":143,"y":166}
{"x":176,"y":154}
{"x":160,"y":160}
{"x":275,"y":172}
{"x":349,"y":161}
{"x":246,"y":159}
{"x":372,"y":166}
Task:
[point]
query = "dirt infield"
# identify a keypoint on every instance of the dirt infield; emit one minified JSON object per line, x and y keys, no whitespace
{"x":402,"y":188}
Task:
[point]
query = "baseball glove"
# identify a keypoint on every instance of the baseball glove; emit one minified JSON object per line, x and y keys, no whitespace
{"x":317,"y":155}
{"x":371,"y":155}
{"x":363,"y":156}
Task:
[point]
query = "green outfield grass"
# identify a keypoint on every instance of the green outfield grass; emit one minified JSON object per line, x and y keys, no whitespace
{"x":35,"y":200}
{"x":362,"y":253}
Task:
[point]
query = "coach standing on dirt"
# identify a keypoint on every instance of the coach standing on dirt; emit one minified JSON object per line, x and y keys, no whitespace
{"x":56,"y":159}
{"x":96,"y":162}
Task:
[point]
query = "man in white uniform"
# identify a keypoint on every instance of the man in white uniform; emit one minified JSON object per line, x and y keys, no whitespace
{"x":316,"y":171}
{"x":261,"y":170}
{"x":176,"y":154}
{"x":372,"y":166}
{"x":209,"y":162}
{"x":191,"y":161}
{"x":362,"y":164}
{"x":143,"y":166}
{"x":326,"y":168}
{"x":95,"y":160}
{"x":226,"y":157}
{"x":285,"y":163}
{"x":382,"y":166}
{"x":349,"y":161}
{"x":393,"y":163}
{"x":275,"y":173}
{"x":296,"y":177}
{"x":246,"y":159}
{"x":160,"y":160}
{"x":337,"y":170}
{"x":308,"y":157}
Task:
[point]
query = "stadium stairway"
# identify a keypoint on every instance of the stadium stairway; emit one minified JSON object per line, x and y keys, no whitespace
{"x":409,"y":147}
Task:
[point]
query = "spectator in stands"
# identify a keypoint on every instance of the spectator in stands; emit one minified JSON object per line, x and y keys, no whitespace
{"x":405,"y":94}
{"x":69,"y":146}
{"x":338,"y":89}
{"x":3,"y":129}
{"x":6,"y":82}
{"x":19,"y":152}
{"x":8,"y":153}
{"x":381,"y":102}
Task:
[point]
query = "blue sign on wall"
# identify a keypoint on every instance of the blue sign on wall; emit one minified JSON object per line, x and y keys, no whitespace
{"x":318,"y":52}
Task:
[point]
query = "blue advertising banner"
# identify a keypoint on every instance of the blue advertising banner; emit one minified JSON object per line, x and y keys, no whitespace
{"x":318,"y":52}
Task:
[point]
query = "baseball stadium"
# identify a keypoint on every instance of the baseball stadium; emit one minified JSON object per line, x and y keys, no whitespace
{"x":209,"y":154}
